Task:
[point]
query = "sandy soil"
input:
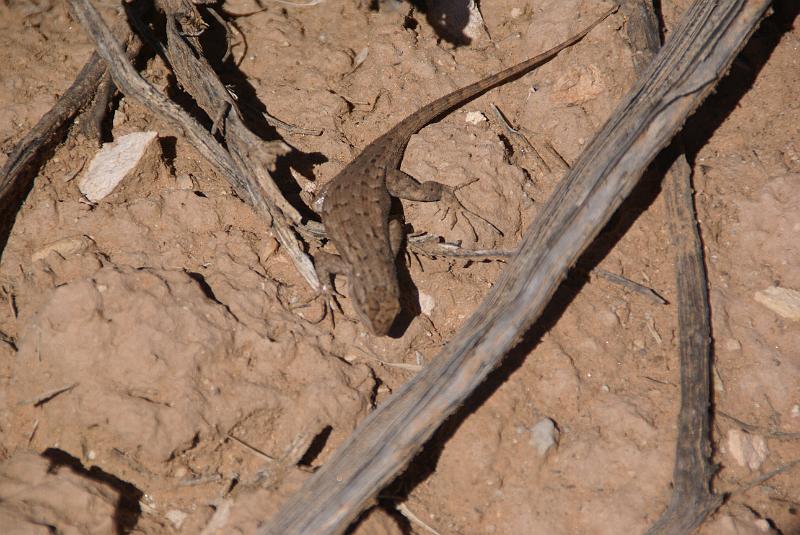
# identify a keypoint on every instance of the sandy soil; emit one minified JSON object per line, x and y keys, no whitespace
{"x":157,"y":374}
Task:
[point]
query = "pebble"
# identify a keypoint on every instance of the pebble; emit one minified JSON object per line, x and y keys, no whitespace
{"x":785,"y":302}
{"x":746,"y":449}
{"x":544,"y":435}
{"x":128,"y":156}
{"x":426,"y":303}
{"x":475,"y":117}
{"x":176,"y":517}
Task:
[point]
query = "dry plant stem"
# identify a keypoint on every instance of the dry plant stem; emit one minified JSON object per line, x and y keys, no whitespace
{"x":92,"y":124}
{"x":46,"y":132}
{"x":13,"y":178}
{"x":253,"y":156}
{"x":672,"y":86}
{"x":234,"y":167}
{"x":692,"y":500}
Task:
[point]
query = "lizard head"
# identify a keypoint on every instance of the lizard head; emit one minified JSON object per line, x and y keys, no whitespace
{"x":378,"y":308}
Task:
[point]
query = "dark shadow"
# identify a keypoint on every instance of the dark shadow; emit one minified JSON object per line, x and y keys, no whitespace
{"x":127,"y":512}
{"x":204,"y":287}
{"x":253,"y":110}
{"x":402,"y":522}
{"x":208,"y":291}
{"x":19,"y":190}
{"x":448,"y":19}
{"x":169,"y":151}
{"x":316,"y":447}
{"x":746,"y":67}
{"x":716,"y":108}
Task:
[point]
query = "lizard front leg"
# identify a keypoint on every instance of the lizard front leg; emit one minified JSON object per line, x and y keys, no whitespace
{"x":404,"y":186}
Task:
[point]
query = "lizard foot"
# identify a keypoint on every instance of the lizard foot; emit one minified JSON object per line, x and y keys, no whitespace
{"x":329,"y":304}
{"x":451,"y":206}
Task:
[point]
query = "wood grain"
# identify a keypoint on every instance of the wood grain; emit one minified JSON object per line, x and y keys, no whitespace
{"x":672,"y":86}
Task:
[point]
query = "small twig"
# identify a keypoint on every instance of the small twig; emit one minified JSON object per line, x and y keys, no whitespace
{"x":527,"y":146}
{"x":245,"y":167}
{"x":43,"y":398}
{"x":252,"y":448}
{"x":192,"y":482}
{"x":414,"y":519}
{"x":225,"y":26}
{"x":399,"y":365}
{"x":290,"y":128}
{"x":431,"y":246}
{"x":779,"y":435}
{"x":75,"y":173}
{"x":33,"y":431}
{"x":631,"y":285}
{"x":766,"y":477}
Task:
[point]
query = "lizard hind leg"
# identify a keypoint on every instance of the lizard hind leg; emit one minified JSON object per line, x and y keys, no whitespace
{"x":327,"y":265}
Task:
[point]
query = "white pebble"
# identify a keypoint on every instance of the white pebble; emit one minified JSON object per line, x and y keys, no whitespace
{"x":115,"y":161}
{"x":176,"y":517}
{"x":746,"y":449}
{"x":544,"y":435}
{"x":784,"y":302}
{"x":475,"y":117}
{"x":426,"y":303}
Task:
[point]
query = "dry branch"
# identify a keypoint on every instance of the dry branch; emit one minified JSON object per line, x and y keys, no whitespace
{"x":692,"y":500}
{"x":15,"y":176}
{"x":672,"y":86}
{"x":246,"y":167}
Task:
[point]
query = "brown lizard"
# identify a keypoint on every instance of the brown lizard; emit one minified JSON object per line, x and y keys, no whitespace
{"x":356,"y":205}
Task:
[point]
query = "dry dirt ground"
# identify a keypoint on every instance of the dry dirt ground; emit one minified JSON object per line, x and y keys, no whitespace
{"x":198,"y":393}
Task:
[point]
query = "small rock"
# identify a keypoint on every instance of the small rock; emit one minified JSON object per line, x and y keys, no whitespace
{"x":607,"y":318}
{"x":544,"y":435}
{"x":515,"y":12}
{"x":125,"y":157}
{"x":426,"y":303}
{"x":732,"y":344}
{"x":785,"y":302}
{"x":475,"y":117}
{"x":746,"y":449}
{"x":716,"y":379}
{"x":184,"y":181}
{"x":361,"y":57}
{"x":762,"y":525}
{"x":795,"y":411}
{"x":729,"y":525}
{"x":66,"y":247}
{"x":176,"y":517}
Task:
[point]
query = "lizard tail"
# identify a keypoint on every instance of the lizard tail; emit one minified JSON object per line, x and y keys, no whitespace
{"x":442,"y":105}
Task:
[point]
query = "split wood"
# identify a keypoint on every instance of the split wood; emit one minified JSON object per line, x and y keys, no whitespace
{"x":692,"y":500}
{"x":670,"y":88}
{"x":19,"y":169}
{"x":247,"y":161}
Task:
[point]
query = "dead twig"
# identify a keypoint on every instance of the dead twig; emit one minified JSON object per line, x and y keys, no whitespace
{"x":248,"y":163}
{"x":44,"y":397}
{"x":688,"y":67}
{"x":14,"y":181}
{"x":633,"y":286}
{"x":692,"y":499}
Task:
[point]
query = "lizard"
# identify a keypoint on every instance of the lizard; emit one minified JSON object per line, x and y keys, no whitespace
{"x":357,"y":201}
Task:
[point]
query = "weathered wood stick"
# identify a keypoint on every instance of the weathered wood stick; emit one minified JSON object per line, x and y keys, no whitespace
{"x":692,"y":500}
{"x":688,"y":67}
